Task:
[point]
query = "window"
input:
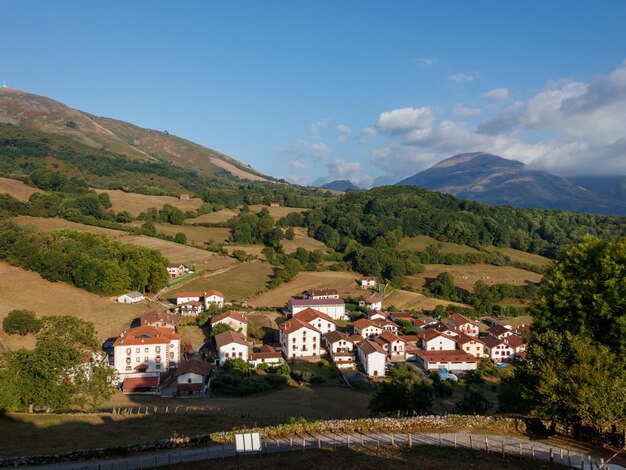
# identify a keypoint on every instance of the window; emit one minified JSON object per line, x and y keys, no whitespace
{"x":128,"y":360}
{"x":128,"y":350}
{"x":158,"y":366}
{"x":158,"y":349}
{"x":240,"y":354}
{"x":129,"y":368}
{"x":145,"y":350}
{"x":138,"y":350}
{"x":136,"y":359}
{"x":146,"y":359}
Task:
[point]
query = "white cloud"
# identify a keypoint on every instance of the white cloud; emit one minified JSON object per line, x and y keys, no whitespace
{"x":466,"y":112}
{"x":405,"y":119}
{"x":461,"y":77}
{"x":366,"y":135}
{"x":343,"y":132}
{"x":317,"y":125}
{"x":306,"y":149}
{"x":497,"y":94}
{"x":569,"y":128}
{"x":425,"y":61}
{"x":296,"y":179}
{"x":298,"y":165}
{"x":339,"y":169}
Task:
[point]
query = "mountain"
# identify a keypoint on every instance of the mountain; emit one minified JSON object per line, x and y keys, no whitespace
{"x":494,"y":180}
{"x":341,"y":185}
{"x":613,"y":187}
{"x":52,"y":117}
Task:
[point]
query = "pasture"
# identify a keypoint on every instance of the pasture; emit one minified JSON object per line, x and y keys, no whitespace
{"x":196,"y":235}
{"x":277,"y":212}
{"x":421,"y":242}
{"x":135,"y":203}
{"x":406,"y":300}
{"x":465,"y":276}
{"x":16,"y":188}
{"x":522,"y":256}
{"x":214,"y":217}
{"x":302,"y":240}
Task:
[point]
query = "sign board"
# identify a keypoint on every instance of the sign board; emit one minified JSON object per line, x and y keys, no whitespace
{"x":248,"y":442}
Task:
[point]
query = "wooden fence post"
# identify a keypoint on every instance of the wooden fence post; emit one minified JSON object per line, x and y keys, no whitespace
{"x":303,"y":443}
{"x":521,"y":452}
{"x":487,"y":445}
{"x":502,"y":450}
{"x":532,"y":450}
{"x":471,"y":442}
{"x":439,"y":439}
{"x":392,"y":440}
{"x":319,"y":443}
{"x":551,"y":455}
{"x":411,"y":440}
{"x":455,"y":440}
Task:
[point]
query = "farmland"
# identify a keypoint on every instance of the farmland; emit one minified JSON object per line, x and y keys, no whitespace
{"x":195,"y":234}
{"x":402,"y":299}
{"x":302,"y":240}
{"x":277,"y":212}
{"x":213,"y":217}
{"x":136,"y":203}
{"x":16,"y":188}
{"x":421,"y":242}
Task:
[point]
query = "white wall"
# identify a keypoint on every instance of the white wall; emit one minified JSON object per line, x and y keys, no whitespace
{"x":310,"y":340}
{"x":233,"y":348}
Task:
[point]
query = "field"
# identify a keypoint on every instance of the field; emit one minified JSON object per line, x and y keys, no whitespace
{"x":465,"y":276}
{"x":277,"y":212}
{"x":421,"y":242}
{"x":196,"y":235}
{"x":57,"y":298}
{"x":137,"y":203}
{"x":402,"y":299}
{"x":16,"y":188}
{"x":175,"y":252}
{"x":214,"y":217}
{"x":302,"y":240}
{"x":236,"y":284}
{"x":522,"y":257}
{"x":344,"y":281}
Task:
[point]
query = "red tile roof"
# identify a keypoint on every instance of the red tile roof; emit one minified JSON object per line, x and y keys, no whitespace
{"x":198,"y":294}
{"x":368,"y":347}
{"x":228,"y":337}
{"x":310,"y":314}
{"x":459,"y":319}
{"x":498,"y":330}
{"x":446,"y":356}
{"x":316,"y":292}
{"x":153,"y":316}
{"x":215,"y":293}
{"x":315,"y":302}
{"x":230,"y":314}
{"x":265,"y":352}
{"x":337,"y":335}
{"x":362,"y":323}
{"x":195,"y":366}
{"x":295,"y":324}
{"x":134,"y":383}
{"x":146,"y":335}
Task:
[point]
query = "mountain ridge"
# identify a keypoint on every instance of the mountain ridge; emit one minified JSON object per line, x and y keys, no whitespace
{"x":341,"y":185}
{"x":494,"y":180}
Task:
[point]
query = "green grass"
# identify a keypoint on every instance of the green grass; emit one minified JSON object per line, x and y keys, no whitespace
{"x":327,"y":369}
{"x":421,"y":242}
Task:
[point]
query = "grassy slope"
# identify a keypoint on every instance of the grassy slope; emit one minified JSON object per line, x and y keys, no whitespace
{"x":16,"y":188}
{"x":421,"y":242}
{"x":137,"y":203}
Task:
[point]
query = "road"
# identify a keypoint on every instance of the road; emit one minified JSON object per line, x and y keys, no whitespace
{"x":512,"y":446}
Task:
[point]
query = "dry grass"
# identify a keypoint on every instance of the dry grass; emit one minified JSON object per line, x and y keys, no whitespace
{"x":522,"y":257}
{"x":137,"y":203}
{"x":344,"y":281}
{"x":465,"y":276}
{"x":21,"y":289}
{"x":16,"y":188}
{"x":402,"y":299}
{"x":255,"y":250}
{"x":302,"y":240}
{"x":175,"y":252}
{"x":214,"y":217}
{"x":421,"y":242}
{"x":195,"y":235}
{"x":236,"y":284}
{"x":277,"y":212}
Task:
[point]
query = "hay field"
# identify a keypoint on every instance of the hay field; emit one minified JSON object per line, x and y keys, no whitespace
{"x":136,"y":203}
{"x":522,"y":257}
{"x":465,"y":276}
{"x":195,"y":235}
{"x":174,"y":252}
{"x":302,"y":240}
{"x":344,"y":281}
{"x":277,"y":212}
{"x":402,"y":299}
{"x":22,"y":289}
{"x":421,"y":242}
{"x":16,"y":188}
{"x":236,"y":284}
{"x":213,"y":217}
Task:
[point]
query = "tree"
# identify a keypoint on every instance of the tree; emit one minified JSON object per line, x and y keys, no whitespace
{"x":171,"y":215}
{"x":290,"y":234}
{"x":181,"y":238}
{"x":220,"y":328}
{"x":149,"y":229}
{"x":584,"y":292}
{"x":21,"y":322}
{"x":473,"y":402}
{"x":405,"y":394}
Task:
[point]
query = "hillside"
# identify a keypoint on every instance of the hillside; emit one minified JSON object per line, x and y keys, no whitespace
{"x":52,"y":117}
{"x":497,"y":181}
{"x":606,"y":186}
{"x":341,"y":185}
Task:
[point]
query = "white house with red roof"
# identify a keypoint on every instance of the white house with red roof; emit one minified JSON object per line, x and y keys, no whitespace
{"x":214,"y":297}
{"x":193,"y":308}
{"x":376,"y":315}
{"x":372,"y":358}
{"x":265,"y":354}
{"x":470,"y":345}
{"x":366,"y":328}
{"x":233,"y":319}
{"x":334,"y":308}
{"x":463,"y":324}
{"x":372,"y":303}
{"x":368,"y":283}
{"x":393,"y":345}
{"x":320,"y":294}
{"x":299,"y":340}
{"x":184,"y":297}
{"x":146,"y":351}
{"x":342,"y":349}
{"x":231,"y":345}
{"x":497,"y":350}
{"x":192,"y":377}
{"x":176,"y":269}
{"x":500,"y":332}
{"x":317,"y":319}
{"x":433,"y":340}
{"x":454,"y":361}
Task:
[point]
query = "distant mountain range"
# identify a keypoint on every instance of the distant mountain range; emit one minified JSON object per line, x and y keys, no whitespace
{"x":52,"y":117}
{"x":341,"y":185}
{"x":494,"y":180}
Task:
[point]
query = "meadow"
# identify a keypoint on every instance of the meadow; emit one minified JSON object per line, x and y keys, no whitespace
{"x":16,"y":188}
{"x":135,"y":203}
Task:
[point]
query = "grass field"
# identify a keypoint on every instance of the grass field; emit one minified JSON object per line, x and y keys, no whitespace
{"x":214,"y":217}
{"x":137,"y":203}
{"x":175,"y":252}
{"x":402,"y":299}
{"x":57,"y":298}
{"x":196,"y":235}
{"x":377,"y":458}
{"x":302,"y":240}
{"x":521,"y":256}
{"x":268,"y":322}
{"x":344,"y":281}
{"x":465,"y":276}
{"x":236,"y":284}
{"x":277,"y":212}
{"x":421,"y":242}
{"x":16,"y":188}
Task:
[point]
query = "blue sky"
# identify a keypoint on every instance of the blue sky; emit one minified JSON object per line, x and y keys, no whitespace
{"x":367,"y":91}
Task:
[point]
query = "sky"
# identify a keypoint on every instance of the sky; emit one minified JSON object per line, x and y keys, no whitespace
{"x":313,"y":91}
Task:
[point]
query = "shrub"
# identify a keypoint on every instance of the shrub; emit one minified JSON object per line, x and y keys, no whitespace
{"x":263,"y":366}
{"x":21,"y":322}
{"x":317,"y":379}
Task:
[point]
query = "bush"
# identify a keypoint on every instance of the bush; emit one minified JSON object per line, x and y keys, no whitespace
{"x":275,"y":380}
{"x":263,"y":366}
{"x":317,"y":379}
{"x":21,"y":322}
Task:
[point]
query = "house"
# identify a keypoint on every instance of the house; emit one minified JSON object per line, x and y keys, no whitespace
{"x":176,"y":269}
{"x":184,"y":297}
{"x":366,"y":328}
{"x":517,"y":343}
{"x":233,"y":319}
{"x":319,"y":294}
{"x":453,"y":361}
{"x":231,"y":345}
{"x":322,"y":322}
{"x":500,"y":332}
{"x":470,"y":345}
{"x":160,"y":319}
{"x":387,"y":325}
{"x":372,"y":358}
{"x":433,"y":340}
{"x":146,"y":351}
{"x":376,"y":315}
{"x":265,"y":355}
{"x":192,"y":377}
{"x":372,"y":303}
{"x":368,"y":283}
{"x":183,"y":197}
{"x":141,"y":384}
{"x":334,"y":308}
{"x":214,"y":297}
{"x":496,"y":349}
{"x":394,"y":316}
{"x":463,"y":324}
{"x":300,"y":340}
{"x":342,"y":349}
{"x":428,"y":321}
{"x":393,"y":345}
{"x":193,"y":308}
{"x":131,"y":298}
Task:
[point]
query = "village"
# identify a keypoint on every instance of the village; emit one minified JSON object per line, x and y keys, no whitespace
{"x":150,"y":357}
